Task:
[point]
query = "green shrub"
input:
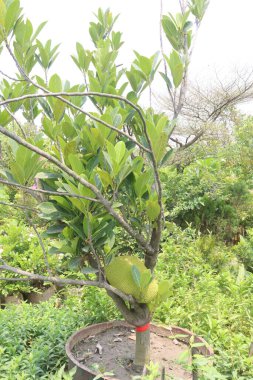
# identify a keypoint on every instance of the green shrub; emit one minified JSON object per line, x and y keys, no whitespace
{"x":32,"y":338}
{"x":213,"y":301}
{"x":209,"y":197}
{"x":244,"y":250}
{"x":214,"y":304}
{"x":19,"y":246}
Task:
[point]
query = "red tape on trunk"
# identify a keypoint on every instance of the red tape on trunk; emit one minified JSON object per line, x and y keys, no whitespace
{"x":142,"y":328}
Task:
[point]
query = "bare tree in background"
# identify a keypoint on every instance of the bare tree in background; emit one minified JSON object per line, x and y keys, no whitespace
{"x":208,"y":112}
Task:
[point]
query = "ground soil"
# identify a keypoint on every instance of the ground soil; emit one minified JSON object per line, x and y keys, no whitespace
{"x":113,"y":351}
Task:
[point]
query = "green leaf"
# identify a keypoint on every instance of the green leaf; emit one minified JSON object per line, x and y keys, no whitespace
{"x":146,"y":279}
{"x":38,"y":30}
{"x":105,"y":178}
{"x":176,"y":67}
{"x":166,"y":157}
{"x":76,"y":163}
{"x":87,"y":225}
{"x":153,"y":209}
{"x":5,"y":118}
{"x":166,"y":79}
{"x":120,"y":150}
{"x":142,"y":183}
{"x":47,"y":208}
{"x":55,"y":83}
{"x":2,"y":15}
{"x":135,"y":79}
{"x":12,"y":14}
{"x":48,"y":127}
{"x":198,"y":8}
{"x":56,"y":229}
{"x":88,"y":270}
{"x":172,"y":33}
{"x":47,"y":109}
{"x":111,"y":151}
{"x":144,"y":63}
{"x":58,"y":110}
{"x":136,"y":275}
{"x":109,"y":243}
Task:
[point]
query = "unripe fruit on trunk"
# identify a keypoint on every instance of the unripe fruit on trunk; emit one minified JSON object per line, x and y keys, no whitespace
{"x":120,"y":275}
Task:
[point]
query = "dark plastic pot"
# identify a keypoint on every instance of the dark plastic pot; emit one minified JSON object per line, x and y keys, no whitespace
{"x":84,"y":373}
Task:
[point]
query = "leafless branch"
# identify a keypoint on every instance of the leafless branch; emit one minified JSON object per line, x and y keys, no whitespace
{"x":205,"y":106}
{"x":17,"y":122}
{"x":11,"y":78}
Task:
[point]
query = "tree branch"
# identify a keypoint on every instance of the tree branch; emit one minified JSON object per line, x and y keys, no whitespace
{"x":138,"y":316}
{"x":64,"y":281}
{"x":138,"y":237}
{"x":153,"y":247}
{"x":11,"y":78}
{"x":18,"y":206}
{"x":59,"y":95}
{"x":47,"y":192}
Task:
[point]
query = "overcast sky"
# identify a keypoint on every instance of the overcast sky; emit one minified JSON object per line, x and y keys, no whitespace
{"x":224,"y":40}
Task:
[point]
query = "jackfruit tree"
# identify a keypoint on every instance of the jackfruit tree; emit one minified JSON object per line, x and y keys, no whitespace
{"x":86,"y":157}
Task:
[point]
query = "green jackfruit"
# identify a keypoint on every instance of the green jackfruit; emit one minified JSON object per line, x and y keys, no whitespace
{"x":119,"y":273}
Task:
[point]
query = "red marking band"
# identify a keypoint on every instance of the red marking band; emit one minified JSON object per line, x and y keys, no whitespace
{"x":142,"y":328}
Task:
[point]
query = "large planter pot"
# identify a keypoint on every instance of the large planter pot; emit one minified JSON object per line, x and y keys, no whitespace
{"x":13,"y":299}
{"x":44,"y":295}
{"x":85,"y":373}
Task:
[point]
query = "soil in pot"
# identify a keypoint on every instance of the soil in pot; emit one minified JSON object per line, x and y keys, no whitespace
{"x":112,"y":350}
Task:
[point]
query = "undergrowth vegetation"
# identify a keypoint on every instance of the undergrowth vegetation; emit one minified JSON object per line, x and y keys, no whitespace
{"x":32,"y":338}
{"x":211,"y":294}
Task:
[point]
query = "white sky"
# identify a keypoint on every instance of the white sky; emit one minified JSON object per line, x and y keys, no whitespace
{"x":224,"y":40}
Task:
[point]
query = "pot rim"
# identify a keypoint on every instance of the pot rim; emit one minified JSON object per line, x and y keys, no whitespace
{"x":156,"y":328}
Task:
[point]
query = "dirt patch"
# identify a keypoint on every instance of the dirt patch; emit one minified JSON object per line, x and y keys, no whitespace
{"x":113,"y":351}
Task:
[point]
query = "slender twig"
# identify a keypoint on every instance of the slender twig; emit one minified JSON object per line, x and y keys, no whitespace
{"x":18,"y":206}
{"x":65,"y":281}
{"x":17,"y":122}
{"x":92,"y":117}
{"x":138,"y":237}
{"x":157,"y":230}
{"x":176,"y":141}
{"x":11,"y":78}
{"x":29,"y":220}
{"x":47,"y":192}
{"x":14,"y":118}
{"x":90,"y":242}
{"x":163,"y":55}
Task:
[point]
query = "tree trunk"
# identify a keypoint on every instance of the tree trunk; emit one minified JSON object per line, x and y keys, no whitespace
{"x":137,"y":315}
{"x":142,"y":346}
